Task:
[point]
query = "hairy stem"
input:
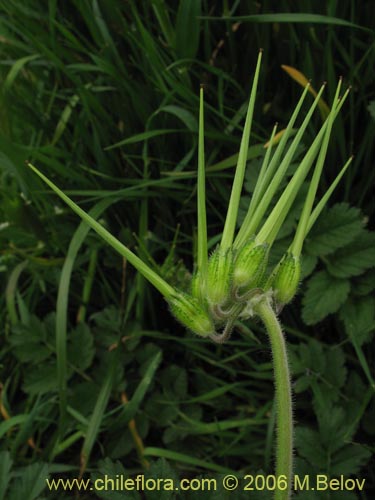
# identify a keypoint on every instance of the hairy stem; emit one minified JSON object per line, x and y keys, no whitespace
{"x":284,"y":438}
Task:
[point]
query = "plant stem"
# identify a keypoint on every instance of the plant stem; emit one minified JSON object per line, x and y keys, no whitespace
{"x":284,"y":415}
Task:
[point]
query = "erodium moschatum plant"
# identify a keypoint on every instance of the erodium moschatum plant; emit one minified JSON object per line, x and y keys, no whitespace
{"x":234,"y":281}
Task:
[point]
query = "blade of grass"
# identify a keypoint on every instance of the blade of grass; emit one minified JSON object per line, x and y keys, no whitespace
{"x":96,"y":418}
{"x":303,"y":81}
{"x":62,"y":307}
{"x":290,"y":17}
{"x":131,"y":408}
{"x":185,"y":459}
{"x":10,"y":291}
{"x":87,"y":287}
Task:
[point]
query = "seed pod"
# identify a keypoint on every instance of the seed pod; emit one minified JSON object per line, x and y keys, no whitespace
{"x":190,"y":313}
{"x":250,"y":265}
{"x":219,"y":277}
{"x":197,"y":286}
{"x":286,"y":279}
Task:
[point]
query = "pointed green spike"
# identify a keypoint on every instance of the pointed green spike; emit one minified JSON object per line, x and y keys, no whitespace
{"x":201,"y":201}
{"x":300,"y":233}
{"x":231,"y":218}
{"x":250,"y":226}
{"x":158,"y":282}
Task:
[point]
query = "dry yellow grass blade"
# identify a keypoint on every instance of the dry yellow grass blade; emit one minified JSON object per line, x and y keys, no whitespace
{"x":303,"y":81}
{"x":276,"y":139}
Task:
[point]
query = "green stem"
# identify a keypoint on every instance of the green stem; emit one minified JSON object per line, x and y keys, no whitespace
{"x":284,"y":438}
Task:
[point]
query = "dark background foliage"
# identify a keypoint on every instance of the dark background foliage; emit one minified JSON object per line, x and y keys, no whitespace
{"x":103,"y":97}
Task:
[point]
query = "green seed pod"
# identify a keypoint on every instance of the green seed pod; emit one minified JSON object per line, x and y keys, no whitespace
{"x":250,"y":265}
{"x":190,"y":313}
{"x":219,"y":277}
{"x":286,"y":279}
{"x":197,"y":286}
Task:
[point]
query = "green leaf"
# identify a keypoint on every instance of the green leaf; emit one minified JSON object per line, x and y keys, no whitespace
{"x":81,"y":347}
{"x":93,"y":428}
{"x":187,"y":118}
{"x":5,"y":467}
{"x":143,"y":136}
{"x":310,"y":447}
{"x":354,"y":258}
{"x":290,"y":17}
{"x":187,"y":28}
{"x":161,"y":469}
{"x":335,"y":372}
{"x":41,"y":379}
{"x":332,"y":427}
{"x":308,"y":357}
{"x":175,"y":382}
{"x":364,"y":284}
{"x":110,"y":469}
{"x":324,"y":296}
{"x":339,"y":226}
{"x":185,"y":459}
{"x":30,"y":342}
{"x":308,"y":264}
{"x":30,"y":484}
{"x":132,"y":406}
{"x":7,"y":425}
{"x":349,"y":459}
{"x":358,"y":317}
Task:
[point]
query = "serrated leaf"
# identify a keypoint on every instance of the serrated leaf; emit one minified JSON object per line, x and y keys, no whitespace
{"x":162,"y":469}
{"x":174,"y":381}
{"x":30,"y":484}
{"x":40,"y":379}
{"x":310,"y":447}
{"x":338,"y":227}
{"x":5,"y":467}
{"x":309,"y":361}
{"x":324,"y":296}
{"x":332,"y":426}
{"x":81,"y":347}
{"x":31,"y":342}
{"x":354,"y":258}
{"x":301,"y":384}
{"x":110,"y":469}
{"x":364,"y":284}
{"x":335,"y":372}
{"x":308,"y":264}
{"x":359,"y":319}
{"x":349,"y":459}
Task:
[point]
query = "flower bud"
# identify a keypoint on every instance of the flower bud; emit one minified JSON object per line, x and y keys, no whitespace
{"x":250,"y":265}
{"x":219,"y":277}
{"x":190,"y":313}
{"x":286,"y":279}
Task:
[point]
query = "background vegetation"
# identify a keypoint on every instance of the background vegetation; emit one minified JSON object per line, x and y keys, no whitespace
{"x":96,"y":376}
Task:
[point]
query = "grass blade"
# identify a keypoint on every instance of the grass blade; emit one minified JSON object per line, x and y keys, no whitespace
{"x":185,"y":459}
{"x":98,"y":413}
